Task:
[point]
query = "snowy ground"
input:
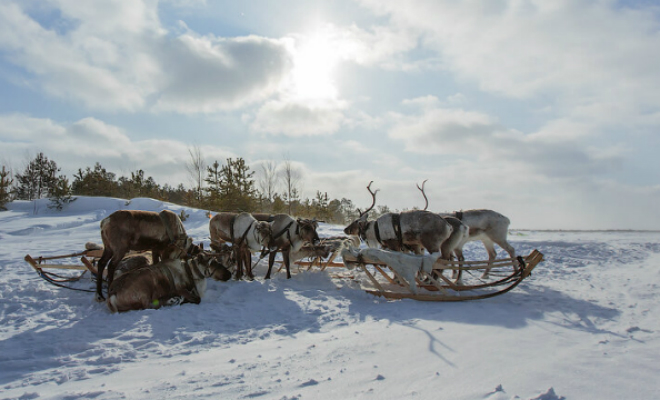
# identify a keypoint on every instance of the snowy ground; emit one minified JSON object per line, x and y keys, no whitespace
{"x":584,"y":326}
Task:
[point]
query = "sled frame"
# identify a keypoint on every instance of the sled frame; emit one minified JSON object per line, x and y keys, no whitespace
{"x":395,"y":287}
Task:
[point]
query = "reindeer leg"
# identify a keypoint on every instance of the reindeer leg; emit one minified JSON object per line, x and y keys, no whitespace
{"x":285,"y":259}
{"x":112,"y":265}
{"x":271,"y":261}
{"x":105,"y":258}
{"x":509,"y":249}
{"x":239,"y":263}
{"x":492,"y":255}
{"x":458,"y":273}
{"x":248,"y":263}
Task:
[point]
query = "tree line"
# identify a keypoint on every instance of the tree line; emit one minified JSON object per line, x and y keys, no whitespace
{"x":228,"y":186}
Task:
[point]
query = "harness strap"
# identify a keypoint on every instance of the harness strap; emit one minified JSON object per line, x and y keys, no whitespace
{"x":396,"y":224}
{"x":245,"y":233}
{"x":280,"y":233}
{"x":377,"y":232}
{"x":170,"y":277}
{"x":231,"y":228}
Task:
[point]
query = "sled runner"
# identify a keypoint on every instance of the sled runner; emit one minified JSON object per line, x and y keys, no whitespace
{"x":43,"y":267}
{"x":396,"y":275}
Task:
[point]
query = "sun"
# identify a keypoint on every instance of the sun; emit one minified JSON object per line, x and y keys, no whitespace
{"x":314,"y":60}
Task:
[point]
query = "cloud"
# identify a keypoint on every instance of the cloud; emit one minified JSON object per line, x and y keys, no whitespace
{"x":474,"y":135}
{"x":297,"y":118}
{"x":210,"y":74}
{"x":89,"y":140}
{"x":595,"y":58}
{"x":117,"y":56}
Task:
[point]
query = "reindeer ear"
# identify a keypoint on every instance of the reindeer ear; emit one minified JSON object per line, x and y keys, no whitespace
{"x":363,"y":217}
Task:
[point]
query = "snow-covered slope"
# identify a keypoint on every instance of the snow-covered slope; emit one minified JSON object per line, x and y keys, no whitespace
{"x":584,"y":326}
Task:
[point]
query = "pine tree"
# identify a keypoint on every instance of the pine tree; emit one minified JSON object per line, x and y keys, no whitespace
{"x":60,"y":193}
{"x":237,"y":186}
{"x":5,"y":187}
{"x":38,"y":178}
{"x":212,"y":189}
{"x":96,"y":182}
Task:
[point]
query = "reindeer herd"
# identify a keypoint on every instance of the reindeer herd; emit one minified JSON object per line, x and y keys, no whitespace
{"x":179,"y":269}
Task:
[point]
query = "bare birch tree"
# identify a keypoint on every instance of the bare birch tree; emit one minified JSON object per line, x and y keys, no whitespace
{"x":196,"y":168}
{"x":267,"y":179}
{"x":291,"y":180}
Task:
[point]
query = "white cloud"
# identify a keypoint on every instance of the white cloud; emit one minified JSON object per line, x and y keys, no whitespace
{"x":117,"y":56}
{"x":474,"y":135}
{"x":89,"y":140}
{"x":595,"y":57}
{"x":296,"y":118}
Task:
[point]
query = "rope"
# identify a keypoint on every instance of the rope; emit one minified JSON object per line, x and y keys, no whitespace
{"x":46,"y":276}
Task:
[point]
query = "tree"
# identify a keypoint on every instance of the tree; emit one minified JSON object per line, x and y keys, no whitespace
{"x":230,"y":187}
{"x":291,"y":179}
{"x":96,"y":182}
{"x":5,"y":187}
{"x":38,"y":179}
{"x":267,"y":179}
{"x":60,"y":193}
{"x":213,"y":186}
{"x":196,"y":167}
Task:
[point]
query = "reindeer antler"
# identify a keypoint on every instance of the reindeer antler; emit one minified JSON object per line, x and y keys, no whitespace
{"x":373,"y":196}
{"x":423,"y":194}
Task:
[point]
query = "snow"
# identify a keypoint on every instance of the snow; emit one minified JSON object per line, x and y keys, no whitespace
{"x":585,"y":325}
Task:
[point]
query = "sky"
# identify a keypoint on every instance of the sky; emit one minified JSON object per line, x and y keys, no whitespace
{"x":547,"y":112}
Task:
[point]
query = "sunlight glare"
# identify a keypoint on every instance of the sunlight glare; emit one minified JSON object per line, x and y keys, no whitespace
{"x":314,"y":61}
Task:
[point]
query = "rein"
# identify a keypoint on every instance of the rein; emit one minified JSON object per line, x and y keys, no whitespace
{"x":280,"y":233}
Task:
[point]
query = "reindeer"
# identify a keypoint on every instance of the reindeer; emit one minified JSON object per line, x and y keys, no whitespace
{"x":488,"y":226}
{"x":126,"y":230}
{"x":169,"y":282}
{"x":245,"y":233}
{"x":409,"y":230}
{"x":454,"y":244}
{"x":289,"y":235}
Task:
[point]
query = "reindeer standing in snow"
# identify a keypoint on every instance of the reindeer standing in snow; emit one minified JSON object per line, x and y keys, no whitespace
{"x":487,"y":226}
{"x":409,"y":230}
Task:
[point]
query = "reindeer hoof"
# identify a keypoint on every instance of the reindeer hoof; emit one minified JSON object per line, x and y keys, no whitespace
{"x":99,"y":298}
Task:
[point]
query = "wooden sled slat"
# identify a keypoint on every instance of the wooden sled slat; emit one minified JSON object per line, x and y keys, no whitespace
{"x":450,"y":291}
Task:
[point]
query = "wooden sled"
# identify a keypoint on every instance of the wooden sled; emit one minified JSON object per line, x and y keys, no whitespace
{"x":88,"y":261}
{"x":434,"y":286}
{"x":43,"y":267}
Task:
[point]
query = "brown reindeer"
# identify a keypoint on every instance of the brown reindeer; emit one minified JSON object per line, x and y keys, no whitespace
{"x":126,"y":230}
{"x":409,"y":230}
{"x":169,"y":282}
{"x":245,"y":233}
{"x":289,"y":235}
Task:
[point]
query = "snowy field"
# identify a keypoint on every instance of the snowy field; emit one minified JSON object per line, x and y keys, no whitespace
{"x":586,"y":325}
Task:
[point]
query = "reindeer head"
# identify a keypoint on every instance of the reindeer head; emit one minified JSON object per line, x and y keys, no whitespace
{"x":307,"y":230}
{"x":215,"y":265}
{"x":263,"y":232}
{"x":357,"y":226}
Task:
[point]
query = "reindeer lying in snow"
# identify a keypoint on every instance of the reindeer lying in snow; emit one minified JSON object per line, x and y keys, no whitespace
{"x":168,"y":282}
{"x":245,"y":233}
{"x":289,"y":235}
{"x":126,"y":230}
